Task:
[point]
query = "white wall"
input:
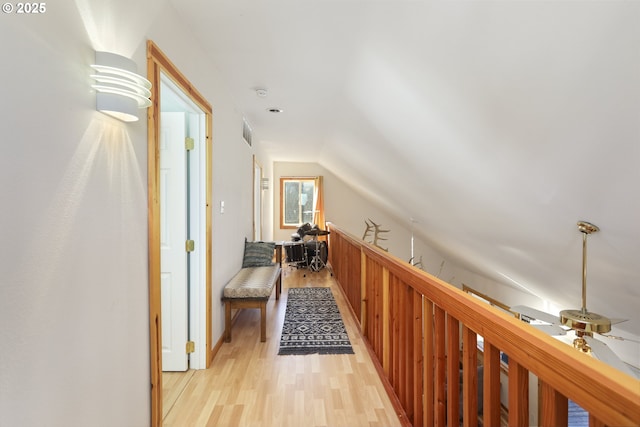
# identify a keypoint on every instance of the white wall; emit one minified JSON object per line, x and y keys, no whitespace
{"x":74,"y":326}
{"x":265,"y":160}
{"x":73,"y":304}
{"x":346,"y":208}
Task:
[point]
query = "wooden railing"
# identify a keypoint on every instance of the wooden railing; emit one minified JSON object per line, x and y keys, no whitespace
{"x":424,"y":333}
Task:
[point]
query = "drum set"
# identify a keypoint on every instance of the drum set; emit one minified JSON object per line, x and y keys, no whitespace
{"x":305,"y":250}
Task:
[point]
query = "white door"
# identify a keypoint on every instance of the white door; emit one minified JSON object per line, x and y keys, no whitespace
{"x":257,"y":201}
{"x":173,"y":237}
{"x":197,"y":220}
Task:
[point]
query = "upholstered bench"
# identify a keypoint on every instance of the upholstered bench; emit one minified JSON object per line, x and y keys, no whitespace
{"x":252,"y":286}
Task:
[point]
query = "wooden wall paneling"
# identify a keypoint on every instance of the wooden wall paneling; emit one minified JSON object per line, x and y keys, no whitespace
{"x":518,"y":395}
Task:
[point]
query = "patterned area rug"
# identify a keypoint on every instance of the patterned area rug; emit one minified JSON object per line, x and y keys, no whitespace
{"x":313,"y":324}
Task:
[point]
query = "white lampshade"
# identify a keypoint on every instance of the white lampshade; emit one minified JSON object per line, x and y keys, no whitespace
{"x":120,"y":92}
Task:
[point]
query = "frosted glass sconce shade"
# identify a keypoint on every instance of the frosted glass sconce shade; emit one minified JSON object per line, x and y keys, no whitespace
{"x":120,"y":91}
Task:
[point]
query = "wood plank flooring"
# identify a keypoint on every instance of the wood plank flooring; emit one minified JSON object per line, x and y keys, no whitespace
{"x":173,"y":383}
{"x":248,"y":384}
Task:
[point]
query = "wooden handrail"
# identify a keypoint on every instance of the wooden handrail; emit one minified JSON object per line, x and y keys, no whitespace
{"x":388,"y":289}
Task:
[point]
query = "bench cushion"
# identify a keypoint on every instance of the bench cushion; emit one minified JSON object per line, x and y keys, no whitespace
{"x":252,"y":282}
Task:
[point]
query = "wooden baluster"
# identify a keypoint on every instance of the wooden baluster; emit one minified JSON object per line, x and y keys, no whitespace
{"x":375,"y":314}
{"x":363,"y":294}
{"x":518,"y":395}
{"x":386,"y":342}
{"x":429,"y":378}
{"x":469,"y":378}
{"x":554,"y":406}
{"x":491,"y":406}
{"x":403,"y":357}
{"x":409,"y":361}
{"x":395,"y":336}
{"x":418,"y":361}
{"x":594,"y":422}
{"x":373,"y":309}
{"x":440,"y":367}
{"x":453,"y":371}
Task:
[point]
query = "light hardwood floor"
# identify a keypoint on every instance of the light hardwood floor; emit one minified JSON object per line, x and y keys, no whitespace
{"x":173,"y":383}
{"x":248,"y":384}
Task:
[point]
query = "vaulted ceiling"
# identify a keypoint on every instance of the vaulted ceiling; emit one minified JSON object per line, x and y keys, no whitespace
{"x":497,"y":125}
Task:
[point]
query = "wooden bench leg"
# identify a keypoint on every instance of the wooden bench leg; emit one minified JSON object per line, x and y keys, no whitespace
{"x":227,"y":321}
{"x":263,"y":321}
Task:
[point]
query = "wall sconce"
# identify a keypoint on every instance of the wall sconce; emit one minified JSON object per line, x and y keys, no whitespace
{"x":264,"y":183}
{"x":120,"y":91}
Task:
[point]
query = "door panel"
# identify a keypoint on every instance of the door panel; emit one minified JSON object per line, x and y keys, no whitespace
{"x":173,"y":235}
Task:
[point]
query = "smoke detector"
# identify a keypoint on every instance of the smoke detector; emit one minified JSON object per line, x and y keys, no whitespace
{"x":261,"y":93}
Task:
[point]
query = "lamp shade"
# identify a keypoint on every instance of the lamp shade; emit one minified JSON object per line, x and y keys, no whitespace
{"x":120,"y":91}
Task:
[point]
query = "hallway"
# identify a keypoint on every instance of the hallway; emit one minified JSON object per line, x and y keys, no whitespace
{"x":248,"y":384}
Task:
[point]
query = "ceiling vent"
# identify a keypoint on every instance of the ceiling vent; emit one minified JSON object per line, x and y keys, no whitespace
{"x":246,"y":131}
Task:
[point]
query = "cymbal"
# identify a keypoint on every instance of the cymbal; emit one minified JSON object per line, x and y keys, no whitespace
{"x":317,"y":232}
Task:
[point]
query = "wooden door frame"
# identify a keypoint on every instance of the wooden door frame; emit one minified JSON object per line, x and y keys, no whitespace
{"x":158,"y":62}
